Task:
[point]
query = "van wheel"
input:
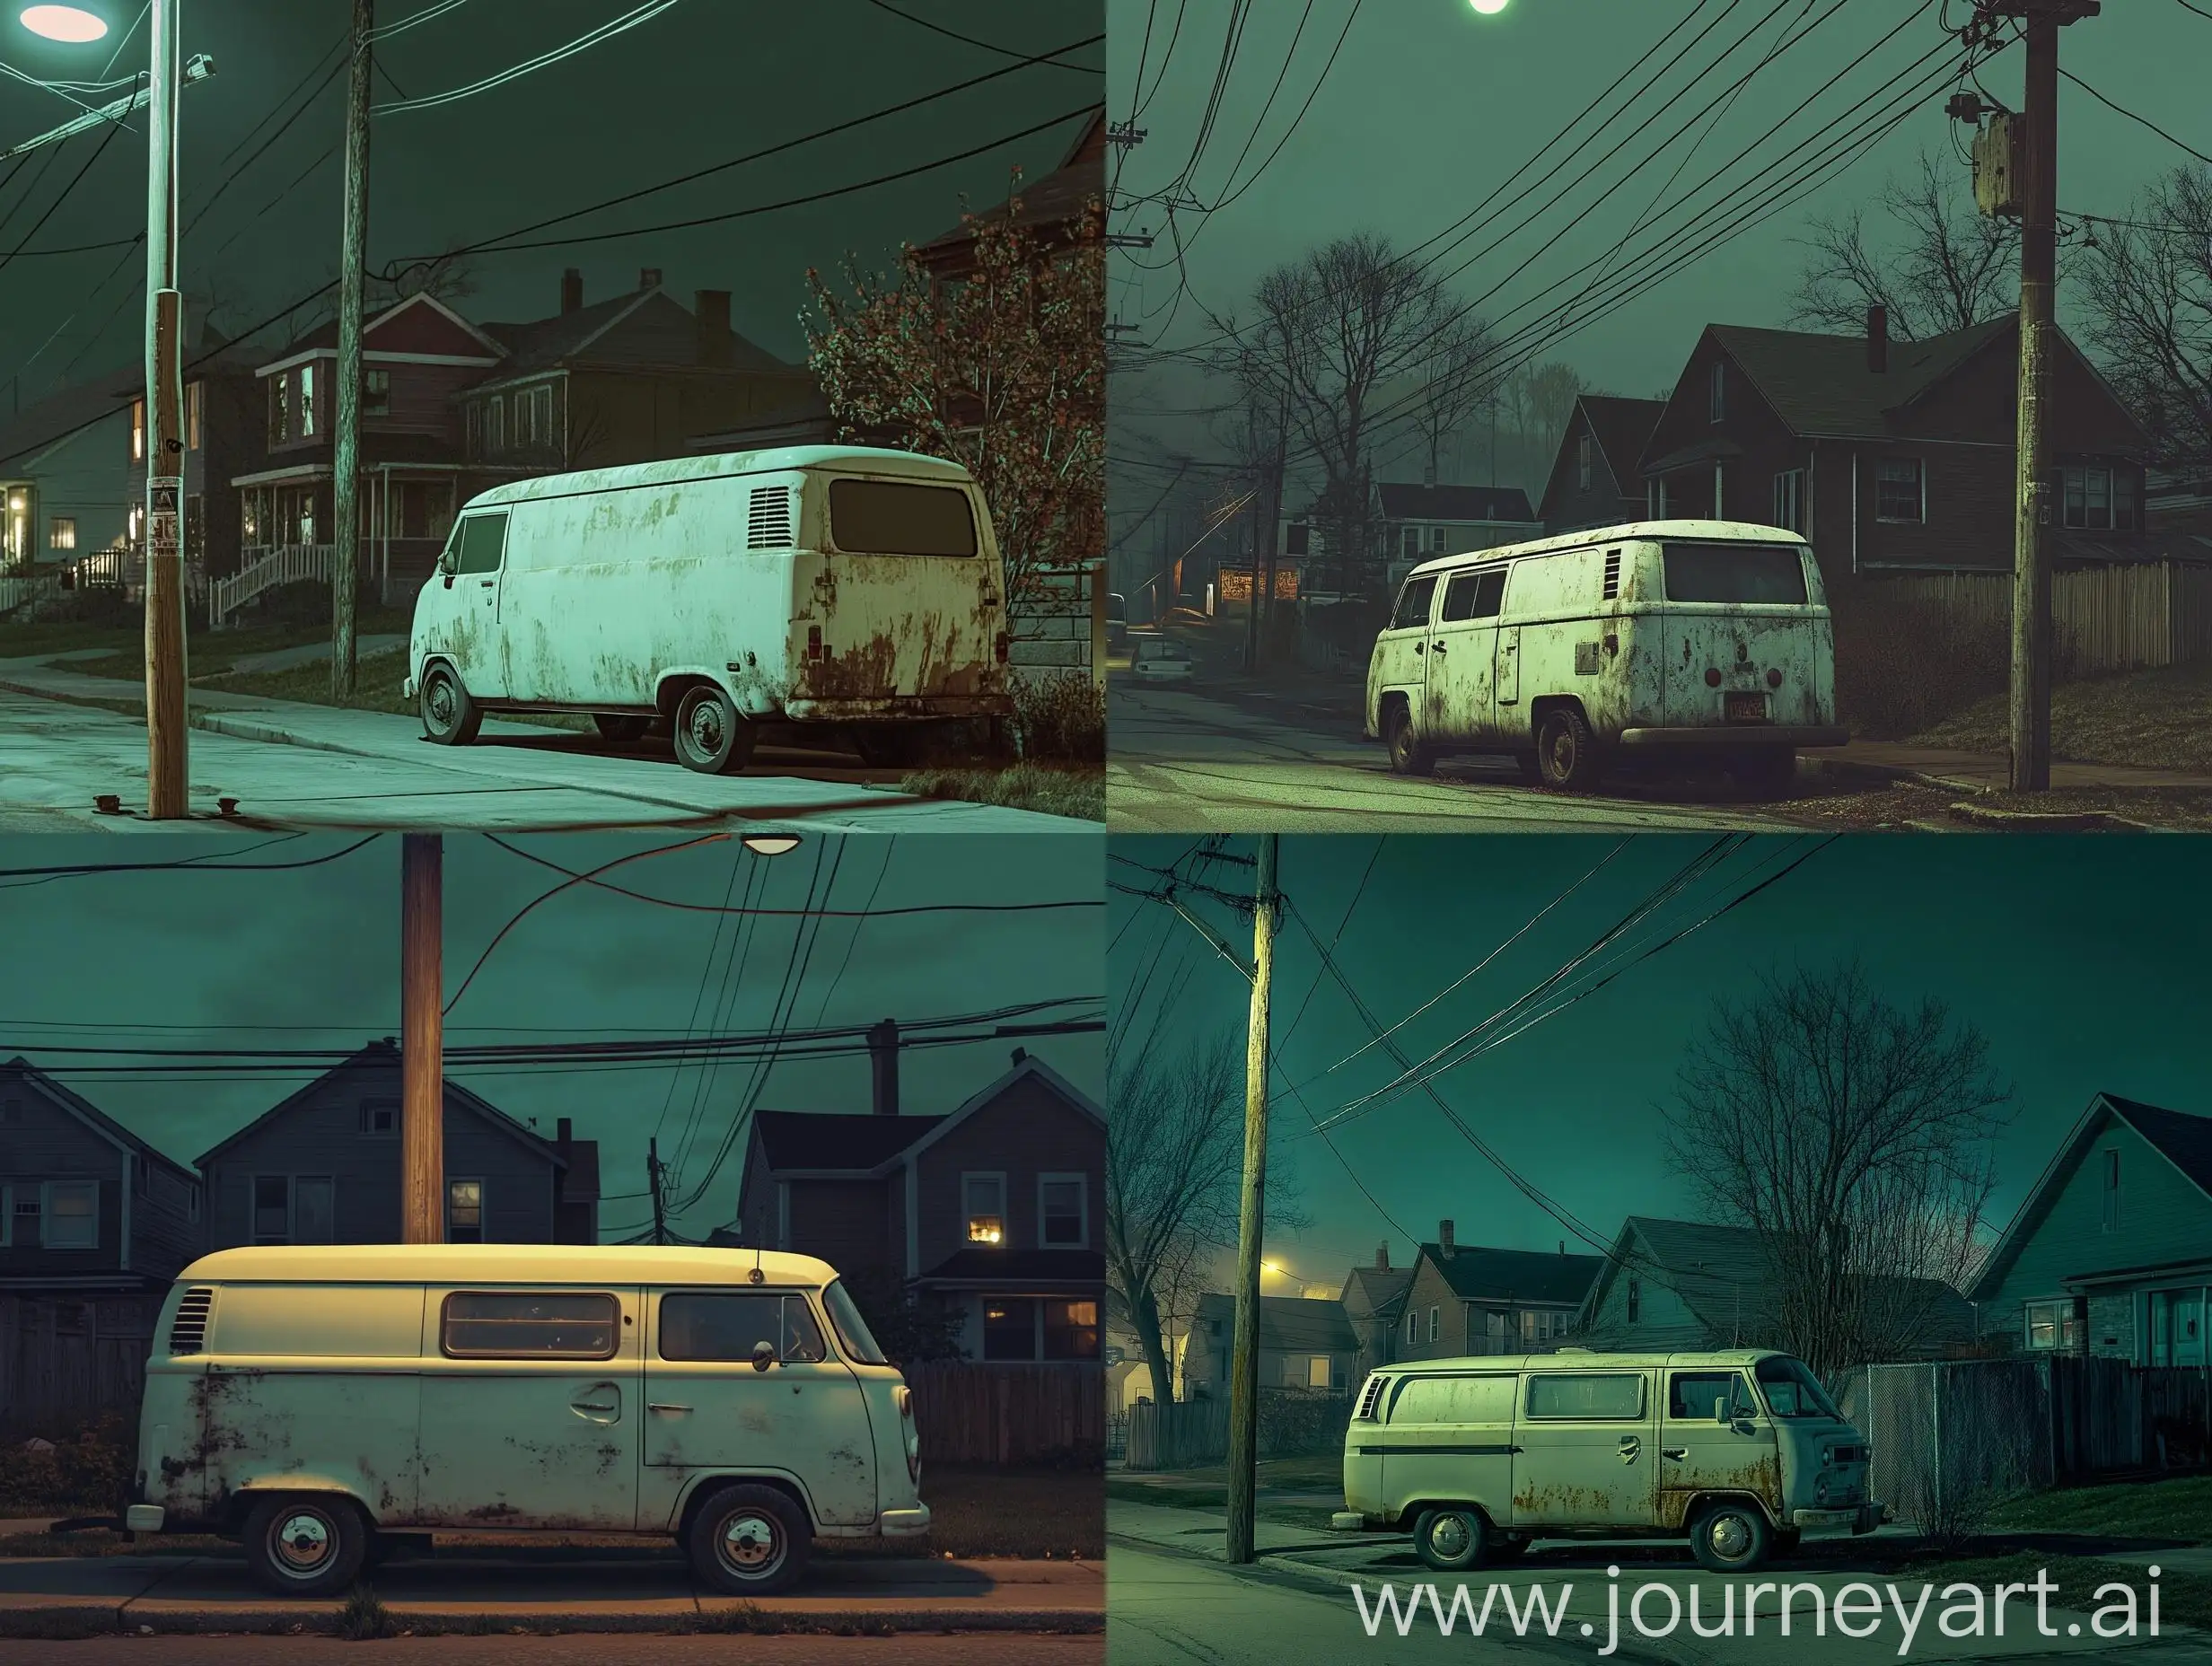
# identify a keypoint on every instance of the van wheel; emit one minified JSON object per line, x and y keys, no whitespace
{"x":306,"y":1545}
{"x":710,"y":736}
{"x":620,"y":728}
{"x":749,"y":1541}
{"x":1566,"y":753}
{"x":1451,"y":1539}
{"x":450,"y":717}
{"x":1731,"y":1537}
{"x":1408,"y":756}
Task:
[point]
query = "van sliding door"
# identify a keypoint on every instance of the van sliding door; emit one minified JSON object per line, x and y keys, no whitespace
{"x":1585,"y":1451}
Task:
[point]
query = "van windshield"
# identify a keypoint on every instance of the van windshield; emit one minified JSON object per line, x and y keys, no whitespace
{"x":1794,"y":1391}
{"x":889,"y":518}
{"x":859,"y":1341}
{"x":1773,"y":574}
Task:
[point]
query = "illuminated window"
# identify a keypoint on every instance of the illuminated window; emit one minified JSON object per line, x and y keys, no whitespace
{"x":307,"y":400}
{"x":983,"y":1200}
{"x":376,"y":393}
{"x":137,"y":430}
{"x":2052,"y":1326}
{"x":1070,"y":1328}
{"x":464,"y":1212}
{"x":191,"y":416}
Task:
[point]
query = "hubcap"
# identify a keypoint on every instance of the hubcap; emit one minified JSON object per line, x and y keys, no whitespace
{"x":1730,"y":1536}
{"x":302,"y":1543}
{"x":440,"y":701}
{"x":1450,"y":1537}
{"x":750,"y":1543}
{"x":705,"y":728}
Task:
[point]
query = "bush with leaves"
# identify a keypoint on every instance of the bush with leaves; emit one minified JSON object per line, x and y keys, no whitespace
{"x":1060,"y":719}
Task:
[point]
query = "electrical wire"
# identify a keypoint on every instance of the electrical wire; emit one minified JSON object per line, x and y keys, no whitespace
{"x":989,"y":46}
{"x":606,"y":31}
{"x":2142,"y":120}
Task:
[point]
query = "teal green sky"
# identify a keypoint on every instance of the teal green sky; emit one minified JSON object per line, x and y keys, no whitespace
{"x":2083,"y":960}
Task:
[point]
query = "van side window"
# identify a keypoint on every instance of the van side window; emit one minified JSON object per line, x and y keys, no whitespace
{"x":699,"y":1326}
{"x":1413,"y":601}
{"x":510,"y":1324}
{"x":1587,"y":1396}
{"x":480,"y":542}
{"x":1696,"y":1395}
{"x":1473,"y":596}
{"x":1453,"y":1399}
{"x":886,"y":518}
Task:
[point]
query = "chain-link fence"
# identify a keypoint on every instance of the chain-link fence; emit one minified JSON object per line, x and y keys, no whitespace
{"x":1953,"y":1439}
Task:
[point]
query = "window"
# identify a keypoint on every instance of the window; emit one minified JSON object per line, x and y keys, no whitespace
{"x":1410,"y":542}
{"x":1412,"y":610}
{"x":2052,"y":1325}
{"x":886,"y":518}
{"x":464,"y":1212}
{"x":380,"y":1119}
{"x":852,"y":1328}
{"x":1436,"y":1323}
{"x":480,"y":543}
{"x":1474,"y":595}
{"x":1635,"y":1299}
{"x":2123,"y":500}
{"x":1497,"y":1331}
{"x":191,"y":416}
{"x":538,"y":403}
{"x":141,"y":1174}
{"x":500,"y":1324}
{"x":1735,"y":573}
{"x":983,"y":1200}
{"x":314,"y":1209}
{"x":137,"y":430}
{"x":495,"y":424}
{"x":1900,"y":493}
{"x":1793,"y":1391}
{"x":1453,"y":1399}
{"x":1716,"y":399}
{"x":1541,"y":1327}
{"x":307,"y":400}
{"x":1063,"y":1212}
{"x":61,"y":532}
{"x":272,"y":1209}
{"x":2112,"y":1190}
{"x":1009,"y":1328}
{"x":72,"y":1216}
{"x":730,"y":1327}
{"x":2088,"y":498}
{"x":476,"y":429}
{"x":1296,"y":536}
{"x":1592,"y":1397}
{"x":1070,"y":1328}
{"x":279,"y":410}
{"x":376,"y":393}
{"x":1789,"y":500}
{"x":1436,"y":536}
{"x":1412,"y":1325}
{"x":1585,"y":449}
{"x":25,"y":1215}
{"x":1696,"y":1395}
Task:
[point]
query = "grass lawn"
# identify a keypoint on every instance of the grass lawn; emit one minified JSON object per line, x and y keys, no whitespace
{"x":1054,"y":790}
{"x":2179,"y":1511}
{"x":2156,"y":719}
{"x":210,"y":649}
{"x":2183,"y":1598}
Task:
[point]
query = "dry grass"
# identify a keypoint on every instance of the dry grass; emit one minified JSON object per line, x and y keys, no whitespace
{"x":2154,"y":719}
{"x":1051,"y":790}
{"x":2179,"y":1509}
{"x":376,"y":689}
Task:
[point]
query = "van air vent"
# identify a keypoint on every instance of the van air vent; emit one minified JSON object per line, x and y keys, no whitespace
{"x":1372,"y":1393}
{"x":1613,"y":573}
{"x":768,"y":524}
{"x":187,"y":1332}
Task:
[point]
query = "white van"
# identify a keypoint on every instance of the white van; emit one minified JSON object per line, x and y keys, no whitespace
{"x":1742,"y":1452}
{"x":832,"y":586}
{"x":1656,"y":636}
{"x":313,"y":1399}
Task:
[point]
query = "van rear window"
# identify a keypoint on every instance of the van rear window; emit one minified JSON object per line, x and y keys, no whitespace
{"x":1773,"y":574}
{"x":1592,"y":1397}
{"x":886,"y":518}
{"x":730,"y":1327}
{"x":511,"y":1324}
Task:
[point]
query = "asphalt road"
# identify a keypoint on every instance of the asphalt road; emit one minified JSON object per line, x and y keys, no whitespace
{"x":571,"y":1649}
{"x":1184,"y":759}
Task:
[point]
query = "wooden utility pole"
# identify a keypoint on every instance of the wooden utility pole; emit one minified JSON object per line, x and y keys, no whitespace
{"x":168,"y":764}
{"x":422,"y":1040}
{"x":346,"y":457}
{"x":1251,"y":1219}
{"x":653,"y":1179}
{"x":2039,"y":240}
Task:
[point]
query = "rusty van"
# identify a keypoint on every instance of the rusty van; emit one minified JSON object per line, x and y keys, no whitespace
{"x":1661,"y":638}
{"x":1740,"y":1452}
{"x":321,"y":1403}
{"x":838,"y":589}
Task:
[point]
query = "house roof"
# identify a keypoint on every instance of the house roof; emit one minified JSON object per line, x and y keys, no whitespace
{"x":383,"y":1056}
{"x":1477,"y":1274}
{"x":1382,"y":1289}
{"x":76,"y":1105}
{"x":979,"y":1264}
{"x":1299,"y":1324}
{"x":1621,"y":427}
{"x":324,"y":336}
{"x":1822,"y":384}
{"x":1056,"y":199}
{"x":60,"y":414}
{"x":1402,"y":501}
{"x":544,"y":344}
{"x":853,"y":1142}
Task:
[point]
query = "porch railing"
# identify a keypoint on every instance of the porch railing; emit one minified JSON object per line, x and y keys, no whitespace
{"x":263,"y":567}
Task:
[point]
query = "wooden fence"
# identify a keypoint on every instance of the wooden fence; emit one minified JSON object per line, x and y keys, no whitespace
{"x":2105,"y":618}
{"x":64,"y":1362}
{"x":972,"y":1412}
{"x":1184,"y":1434}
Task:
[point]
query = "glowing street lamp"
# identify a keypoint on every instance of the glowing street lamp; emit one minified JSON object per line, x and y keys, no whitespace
{"x":70,"y":24}
{"x":1488,"y":8}
{"x":770,"y":843}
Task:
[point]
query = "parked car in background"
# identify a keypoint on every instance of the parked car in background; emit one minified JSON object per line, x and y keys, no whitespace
{"x":1159,"y":659}
{"x":1117,"y":624}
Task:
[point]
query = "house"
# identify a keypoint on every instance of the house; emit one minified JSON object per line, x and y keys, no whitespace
{"x":224,"y":436}
{"x":322,"y":1166}
{"x":86,"y":1207}
{"x":1668,"y":1284}
{"x":2178,"y":506}
{"x":1304,"y":1343}
{"x":1465,"y":1299}
{"x":994,"y":1212}
{"x":65,"y":474}
{"x":2110,"y":1255}
{"x":1063,"y":208}
{"x":1596,"y":477}
{"x":1418,"y":522}
{"x":1374,"y":1302}
{"x":1894,"y":457}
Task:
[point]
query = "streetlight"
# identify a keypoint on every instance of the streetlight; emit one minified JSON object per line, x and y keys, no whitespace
{"x":68,"y":23}
{"x":770,"y":843}
{"x":1488,"y":8}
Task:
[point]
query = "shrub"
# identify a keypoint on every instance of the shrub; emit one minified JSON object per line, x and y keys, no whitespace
{"x":1060,"y":719}
{"x":92,"y":604}
{"x":303,"y":601}
{"x":365,"y":1616}
{"x":91,"y":1469}
{"x":1905,"y":664}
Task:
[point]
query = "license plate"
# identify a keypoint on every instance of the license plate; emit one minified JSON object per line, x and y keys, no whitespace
{"x":1744,"y":708}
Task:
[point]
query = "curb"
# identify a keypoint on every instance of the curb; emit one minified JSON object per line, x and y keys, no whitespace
{"x":2049,"y":821}
{"x":90,"y":1619}
{"x":1856,"y":772}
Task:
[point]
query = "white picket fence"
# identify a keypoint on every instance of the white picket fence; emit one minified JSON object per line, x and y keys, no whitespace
{"x":266,"y":567}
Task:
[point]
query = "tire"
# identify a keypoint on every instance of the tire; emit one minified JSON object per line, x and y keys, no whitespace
{"x":1731,"y":1537}
{"x":1770,"y":771}
{"x":1566,"y":753}
{"x":620,"y":728}
{"x":1408,"y":756}
{"x":306,"y":1543}
{"x":1451,"y":1539}
{"x":450,"y":717}
{"x":710,"y":736}
{"x":749,"y":1541}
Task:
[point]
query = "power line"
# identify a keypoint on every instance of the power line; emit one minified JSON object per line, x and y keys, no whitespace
{"x":2131,"y":116}
{"x":607,"y":31}
{"x":1052,"y":59}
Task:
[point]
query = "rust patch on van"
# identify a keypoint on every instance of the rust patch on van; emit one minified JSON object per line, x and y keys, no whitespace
{"x":1761,"y":1479}
{"x":499,"y":1511}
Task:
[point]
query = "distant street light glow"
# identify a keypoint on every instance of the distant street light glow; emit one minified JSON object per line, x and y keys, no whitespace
{"x":1488,"y":8}
{"x":769,"y":844}
{"x":64,"y":22}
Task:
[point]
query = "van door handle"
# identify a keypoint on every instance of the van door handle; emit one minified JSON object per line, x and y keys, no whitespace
{"x":661,"y":1406}
{"x":1674,"y":1453}
{"x":1420,"y":647}
{"x":1437,"y":645}
{"x":485,"y":582}
{"x":1632,"y":1449}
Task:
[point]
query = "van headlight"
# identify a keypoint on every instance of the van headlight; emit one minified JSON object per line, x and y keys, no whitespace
{"x":911,"y":1431}
{"x":1820,"y":1490}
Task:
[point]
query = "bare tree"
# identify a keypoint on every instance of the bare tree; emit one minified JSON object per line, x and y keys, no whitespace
{"x":1540,"y":398}
{"x":1449,"y":386}
{"x":1945,"y":267}
{"x":2147,"y":304}
{"x":1852,"y":1135}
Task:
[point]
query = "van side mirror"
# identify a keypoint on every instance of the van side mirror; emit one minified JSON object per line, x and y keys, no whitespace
{"x":1724,"y":1410}
{"x":447,"y":564}
{"x":763,"y":1354}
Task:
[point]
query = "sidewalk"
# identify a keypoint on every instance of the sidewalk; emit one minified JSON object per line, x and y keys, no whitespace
{"x":1989,"y":772}
{"x":208,"y":1593}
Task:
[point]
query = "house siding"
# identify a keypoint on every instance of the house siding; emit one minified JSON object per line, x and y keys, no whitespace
{"x":843,"y":1222}
{"x":1028,"y":1130}
{"x":45,"y":1142}
{"x":1568,"y":506}
{"x":1663,"y":1319}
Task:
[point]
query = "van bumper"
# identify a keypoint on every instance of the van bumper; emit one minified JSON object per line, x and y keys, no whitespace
{"x":1861,"y":1519}
{"x":903,"y":1523}
{"x":897,"y":708}
{"x":145,"y":1518}
{"x":1740,"y":735}
{"x":407,"y":687}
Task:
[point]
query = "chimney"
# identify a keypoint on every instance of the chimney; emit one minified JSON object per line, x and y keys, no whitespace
{"x":1382,"y":1256}
{"x":711,"y":307}
{"x":883,"y":1055}
{"x":572,"y":291}
{"x":1021,"y":1056}
{"x":1562,"y":1246}
{"x":1877,"y":338}
{"x":648,"y":278}
{"x":1444,"y":1234}
{"x":563,"y":1131}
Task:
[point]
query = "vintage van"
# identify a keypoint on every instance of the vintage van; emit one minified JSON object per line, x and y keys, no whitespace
{"x":835,"y":586}
{"x":1741,"y":1452}
{"x":1657,"y":638}
{"x":313,"y":1400}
